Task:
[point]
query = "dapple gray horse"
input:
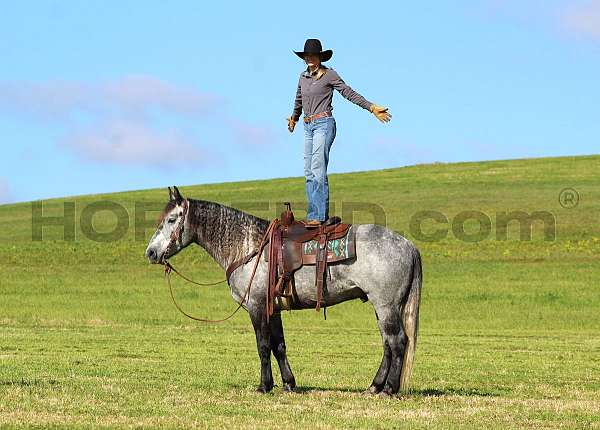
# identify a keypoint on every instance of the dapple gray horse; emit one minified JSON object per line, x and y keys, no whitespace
{"x":386,"y":271}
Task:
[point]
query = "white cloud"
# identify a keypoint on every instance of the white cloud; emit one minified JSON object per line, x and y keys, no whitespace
{"x":135,"y":143}
{"x":115,"y":121}
{"x":143,"y":92}
{"x":246,"y":134}
{"x":583,"y":19}
{"x":579,"y":18}
{"x":135,"y":95}
{"x":130,"y":120}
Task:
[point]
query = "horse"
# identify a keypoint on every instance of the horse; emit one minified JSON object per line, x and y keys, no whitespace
{"x":385,"y":271}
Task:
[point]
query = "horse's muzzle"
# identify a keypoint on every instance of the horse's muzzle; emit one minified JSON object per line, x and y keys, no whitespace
{"x":152,"y":256}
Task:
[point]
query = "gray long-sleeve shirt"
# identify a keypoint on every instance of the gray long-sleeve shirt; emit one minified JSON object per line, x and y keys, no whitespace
{"x":315,"y":95}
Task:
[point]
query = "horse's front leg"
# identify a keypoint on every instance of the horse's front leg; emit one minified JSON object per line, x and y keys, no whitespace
{"x":262,"y":330}
{"x":278,"y":348}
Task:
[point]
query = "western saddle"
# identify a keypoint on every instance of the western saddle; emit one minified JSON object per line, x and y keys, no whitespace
{"x":291,"y":245}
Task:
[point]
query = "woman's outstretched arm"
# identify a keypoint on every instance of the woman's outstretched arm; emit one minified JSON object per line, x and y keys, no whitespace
{"x":347,"y":92}
{"x":380,"y":112}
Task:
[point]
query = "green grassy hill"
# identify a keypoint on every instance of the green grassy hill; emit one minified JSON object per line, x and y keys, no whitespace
{"x":509,"y":327}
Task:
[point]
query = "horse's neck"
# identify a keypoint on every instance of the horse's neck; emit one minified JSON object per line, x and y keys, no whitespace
{"x":227,"y":234}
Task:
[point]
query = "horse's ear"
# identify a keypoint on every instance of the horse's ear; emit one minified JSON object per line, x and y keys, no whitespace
{"x":171,"y":196}
{"x":177,"y":195}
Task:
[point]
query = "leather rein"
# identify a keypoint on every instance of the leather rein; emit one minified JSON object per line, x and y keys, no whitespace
{"x":177,"y":236}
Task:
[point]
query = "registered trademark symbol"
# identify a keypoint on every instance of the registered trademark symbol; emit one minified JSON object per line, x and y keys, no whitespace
{"x":568,"y":198}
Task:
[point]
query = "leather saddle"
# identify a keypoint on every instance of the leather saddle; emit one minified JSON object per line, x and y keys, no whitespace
{"x":292,"y":244}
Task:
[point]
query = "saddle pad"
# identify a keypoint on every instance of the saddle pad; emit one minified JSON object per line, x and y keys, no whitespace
{"x":340,"y":249}
{"x":337,"y":249}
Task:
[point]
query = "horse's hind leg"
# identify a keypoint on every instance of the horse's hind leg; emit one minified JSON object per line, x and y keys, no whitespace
{"x":278,"y":348}
{"x":395,"y":337}
{"x":387,"y":379}
{"x":384,"y":367}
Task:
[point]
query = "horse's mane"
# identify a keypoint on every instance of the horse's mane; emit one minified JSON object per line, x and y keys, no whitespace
{"x":232,"y":216}
{"x":225,"y":232}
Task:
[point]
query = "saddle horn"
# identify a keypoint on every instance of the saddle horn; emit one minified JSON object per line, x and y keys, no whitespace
{"x":287,"y":216}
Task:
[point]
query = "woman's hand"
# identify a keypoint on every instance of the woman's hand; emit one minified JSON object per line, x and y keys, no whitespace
{"x":381,"y":113}
{"x":291,"y":124}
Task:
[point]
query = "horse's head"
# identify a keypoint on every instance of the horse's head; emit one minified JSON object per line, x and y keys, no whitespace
{"x":173,"y":232}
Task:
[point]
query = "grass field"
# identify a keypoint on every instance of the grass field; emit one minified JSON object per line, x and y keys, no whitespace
{"x":509,"y":334}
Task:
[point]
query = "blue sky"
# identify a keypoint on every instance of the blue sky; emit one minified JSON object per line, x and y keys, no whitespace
{"x":102,"y":96}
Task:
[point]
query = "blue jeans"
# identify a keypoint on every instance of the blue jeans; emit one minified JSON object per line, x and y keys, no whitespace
{"x":318,"y":138}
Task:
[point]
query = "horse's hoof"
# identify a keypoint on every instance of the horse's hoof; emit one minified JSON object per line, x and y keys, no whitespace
{"x":371,"y":391}
{"x":385,"y":394}
{"x":263,"y":390}
{"x":288,"y":388}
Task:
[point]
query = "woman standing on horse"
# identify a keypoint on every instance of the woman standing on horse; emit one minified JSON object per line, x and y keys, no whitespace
{"x":313,"y":96}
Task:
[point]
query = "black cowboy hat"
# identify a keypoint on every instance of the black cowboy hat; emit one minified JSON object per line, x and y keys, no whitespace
{"x":313,"y":46}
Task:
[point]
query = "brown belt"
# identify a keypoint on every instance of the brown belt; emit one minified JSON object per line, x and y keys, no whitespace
{"x":315,"y":116}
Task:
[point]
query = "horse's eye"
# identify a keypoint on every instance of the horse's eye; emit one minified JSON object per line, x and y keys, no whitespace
{"x":172,"y":220}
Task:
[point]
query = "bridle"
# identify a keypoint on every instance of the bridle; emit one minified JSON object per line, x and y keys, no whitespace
{"x":177,"y":236}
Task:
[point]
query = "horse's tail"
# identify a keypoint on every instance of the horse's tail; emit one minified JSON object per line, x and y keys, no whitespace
{"x":410,"y":320}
